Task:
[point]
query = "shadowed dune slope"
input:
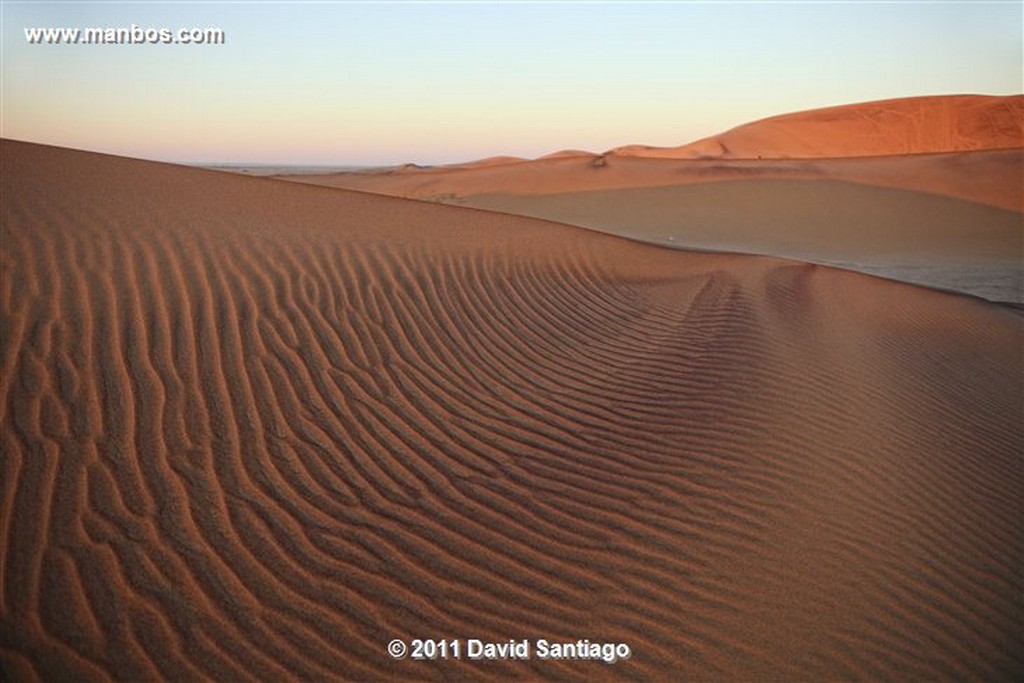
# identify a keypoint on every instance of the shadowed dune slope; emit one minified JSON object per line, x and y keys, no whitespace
{"x":910,"y":125}
{"x":812,"y":218}
{"x":253,"y":430}
{"x":903,"y":217}
{"x":911,"y":236}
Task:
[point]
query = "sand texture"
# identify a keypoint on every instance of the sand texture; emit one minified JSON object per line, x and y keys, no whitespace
{"x":912,"y":125}
{"x":917,"y":237}
{"x":926,"y":190}
{"x":991,"y":177}
{"x":253,"y":430}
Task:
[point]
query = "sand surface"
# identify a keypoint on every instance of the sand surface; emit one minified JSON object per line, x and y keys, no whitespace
{"x":992,"y":177}
{"x":951,"y":221}
{"x":910,"y":125}
{"x":924,"y":190}
{"x":254,"y":430}
{"x":912,"y":236}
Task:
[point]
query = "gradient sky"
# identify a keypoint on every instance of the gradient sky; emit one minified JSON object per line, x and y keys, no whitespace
{"x":380,"y":83}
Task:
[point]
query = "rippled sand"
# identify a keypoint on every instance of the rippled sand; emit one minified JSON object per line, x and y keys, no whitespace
{"x":254,"y":430}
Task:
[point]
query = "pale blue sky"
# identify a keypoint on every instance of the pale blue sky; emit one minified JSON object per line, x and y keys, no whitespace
{"x":376,"y":83}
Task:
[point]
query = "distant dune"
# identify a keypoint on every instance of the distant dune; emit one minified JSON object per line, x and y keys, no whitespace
{"x":916,"y":125}
{"x":989,"y":177}
{"x":913,"y":236}
{"x":965,"y":146}
{"x":568,"y":153}
{"x":254,"y":430}
{"x":940,"y":198}
{"x":484,"y":163}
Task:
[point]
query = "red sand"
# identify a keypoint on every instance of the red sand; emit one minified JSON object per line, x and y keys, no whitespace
{"x":965,"y":146}
{"x":254,"y":430}
{"x":992,"y":177}
{"x":912,"y":125}
{"x":942,"y":206}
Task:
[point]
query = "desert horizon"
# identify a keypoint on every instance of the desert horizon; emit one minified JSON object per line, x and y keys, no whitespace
{"x":963,"y":168}
{"x":433,"y":393}
{"x":939,"y":207}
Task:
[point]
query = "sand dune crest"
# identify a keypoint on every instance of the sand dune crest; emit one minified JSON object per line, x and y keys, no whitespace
{"x":913,"y":125}
{"x":254,"y":430}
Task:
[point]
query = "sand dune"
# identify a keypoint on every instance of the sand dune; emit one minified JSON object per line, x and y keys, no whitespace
{"x":484,"y":163}
{"x":915,"y":215}
{"x":951,"y":221}
{"x":911,"y":236}
{"x":565,"y":153}
{"x":969,"y":147}
{"x":989,"y":177}
{"x":912,"y":125}
{"x":254,"y":430}
{"x":819,"y":217}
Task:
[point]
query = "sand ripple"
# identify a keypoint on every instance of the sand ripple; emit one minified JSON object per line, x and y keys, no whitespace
{"x":253,"y":430}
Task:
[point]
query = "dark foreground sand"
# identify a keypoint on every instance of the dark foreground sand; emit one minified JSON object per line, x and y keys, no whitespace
{"x":253,"y":430}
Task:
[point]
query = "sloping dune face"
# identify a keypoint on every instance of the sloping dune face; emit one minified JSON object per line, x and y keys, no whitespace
{"x":988,"y":177}
{"x":254,"y":430}
{"x":915,"y":125}
{"x":914,"y":237}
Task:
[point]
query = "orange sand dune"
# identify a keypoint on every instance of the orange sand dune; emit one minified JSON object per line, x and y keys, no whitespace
{"x":913,"y":125}
{"x":951,"y":221}
{"x":965,"y":146}
{"x":483,"y":163}
{"x":254,"y":430}
{"x":568,"y":153}
{"x":988,"y":177}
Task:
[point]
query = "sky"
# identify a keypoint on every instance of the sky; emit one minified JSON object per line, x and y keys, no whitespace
{"x":360,"y":83}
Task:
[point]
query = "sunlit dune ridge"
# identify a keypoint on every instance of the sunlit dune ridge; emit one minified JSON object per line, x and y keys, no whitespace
{"x":928,"y":190}
{"x":910,"y":125}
